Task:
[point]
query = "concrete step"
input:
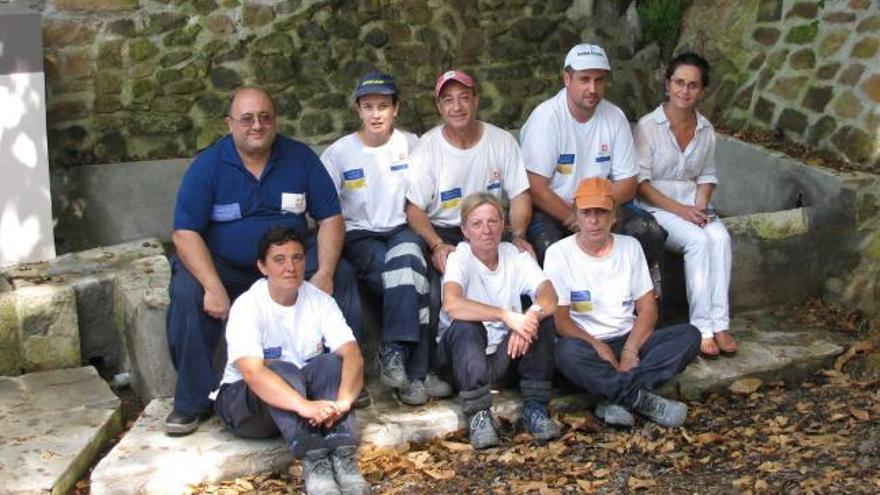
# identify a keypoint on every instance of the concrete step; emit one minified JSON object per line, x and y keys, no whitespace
{"x":52,"y":425}
{"x":147,"y":461}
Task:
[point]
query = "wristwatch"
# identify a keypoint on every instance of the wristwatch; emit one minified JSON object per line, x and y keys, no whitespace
{"x":537,"y":308}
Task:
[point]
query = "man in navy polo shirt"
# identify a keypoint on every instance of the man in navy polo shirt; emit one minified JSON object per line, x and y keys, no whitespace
{"x":234,"y":191}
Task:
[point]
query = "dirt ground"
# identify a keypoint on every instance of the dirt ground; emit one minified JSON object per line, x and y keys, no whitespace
{"x":817,"y":436}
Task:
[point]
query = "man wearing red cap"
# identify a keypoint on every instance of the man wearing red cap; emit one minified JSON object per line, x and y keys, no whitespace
{"x":606,"y":315}
{"x":575,"y":135}
{"x":458,"y":158}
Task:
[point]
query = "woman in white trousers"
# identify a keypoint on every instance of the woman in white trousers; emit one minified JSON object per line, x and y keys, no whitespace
{"x":676,"y":151}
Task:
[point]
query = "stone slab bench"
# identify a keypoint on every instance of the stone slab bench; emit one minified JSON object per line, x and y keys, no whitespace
{"x":147,"y":461}
{"x":52,"y":425}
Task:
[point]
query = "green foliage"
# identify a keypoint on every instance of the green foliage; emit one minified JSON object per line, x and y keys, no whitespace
{"x":661,"y":22}
{"x":803,"y":34}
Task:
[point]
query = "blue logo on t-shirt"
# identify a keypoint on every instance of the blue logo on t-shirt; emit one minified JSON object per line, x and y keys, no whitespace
{"x":272,"y":353}
{"x":354,"y":179}
{"x":226,"y":213}
{"x":451,"y":198}
{"x":581,"y":301}
{"x":399,"y":166}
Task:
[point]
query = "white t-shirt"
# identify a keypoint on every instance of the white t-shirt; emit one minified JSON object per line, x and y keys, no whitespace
{"x":371,"y":182}
{"x":517,"y":274}
{"x":556,"y":146}
{"x":674,"y":173}
{"x":601,"y":292}
{"x":260,"y":327}
{"x":443,"y":175}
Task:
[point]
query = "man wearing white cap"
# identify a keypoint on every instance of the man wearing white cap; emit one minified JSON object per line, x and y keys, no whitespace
{"x":458,"y":158}
{"x":575,"y":135}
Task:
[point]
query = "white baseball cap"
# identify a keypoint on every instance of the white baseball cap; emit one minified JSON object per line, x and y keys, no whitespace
{"x":585,"y":57}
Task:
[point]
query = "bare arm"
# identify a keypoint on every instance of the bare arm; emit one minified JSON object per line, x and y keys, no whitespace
{"x":547,"y":201}
{"x":460,"y":307}
{"x":546,"y":297}
{"x":273,"y":390}
{"x":693,"y":214}
{"x":566,"y":327}
{"x":331,"y":234}
{"x":420,"y":223}
{"x":194,"y":254}
{"x":646,"y":318}
{"x":520,"y":217}
{"x":704,"y":195}
{"x":624,"y":190}
{"x":352,"y":379}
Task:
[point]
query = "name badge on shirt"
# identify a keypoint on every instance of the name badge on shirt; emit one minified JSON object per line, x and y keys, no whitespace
{"x":272,"y":353}
{"x":565,"y":164}
{"x":397,"y":167}
{"x":581,"y":301}
{"x":293,"y":202}
{"x":451,"y":198}
{"x":354,"y":179}
{"x":226,"y":213}
{"x":604,"y":154}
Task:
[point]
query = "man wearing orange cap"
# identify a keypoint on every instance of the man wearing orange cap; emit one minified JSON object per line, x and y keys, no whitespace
{"x":458,"y":158}
{"x":606,"y":315}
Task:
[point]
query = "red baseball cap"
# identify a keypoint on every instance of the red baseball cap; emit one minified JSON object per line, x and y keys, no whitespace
{"x":453,"y":75}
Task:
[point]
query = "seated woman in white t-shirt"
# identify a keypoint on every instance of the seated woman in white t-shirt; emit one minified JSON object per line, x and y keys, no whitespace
{"x":279,"y":379}
{"x":676,"y":152}
{"x":485,"y":338}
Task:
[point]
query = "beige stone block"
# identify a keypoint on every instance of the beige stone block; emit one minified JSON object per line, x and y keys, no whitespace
{"x":9,"y":355}
{"x":871,"y":86}
{"x":63,"y":32}
{"x":78,"y":62}
{"x":48,"y":327}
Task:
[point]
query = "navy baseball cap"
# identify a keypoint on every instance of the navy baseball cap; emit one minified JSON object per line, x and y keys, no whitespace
{"x":375,"y":83}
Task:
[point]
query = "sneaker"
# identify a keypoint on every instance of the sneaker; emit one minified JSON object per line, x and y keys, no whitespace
{"x":318,"y":473}
{"x":614,"y":414}
{"x":179,"y":424}
{"x":364,"y":399}
{"x":664,"y":412}
{"x":392,"y":370}
{"x":437,"y":388}
{"x":537,"y":421}
{"x":348,"y":476}
{"x":656,"y":278}
{"x":481,"y":431}
{"x":414,"y":393}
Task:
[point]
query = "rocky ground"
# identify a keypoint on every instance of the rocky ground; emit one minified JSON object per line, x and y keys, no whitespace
{"x":817,"y":436}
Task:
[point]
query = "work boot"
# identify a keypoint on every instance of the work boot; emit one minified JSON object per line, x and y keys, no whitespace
{"x":179,"y":424}
{"x":537,"y":421}
{"x":614,"y":414}
{"x":392,"y":370}
{"x":318,"y":473}
{"x":482,"y":432}
{"x":664,"y":412}
{"x":364,"y":399}
{"x":437,"y":388}
{"x":414,"y":393}
{"x":348,"y":476}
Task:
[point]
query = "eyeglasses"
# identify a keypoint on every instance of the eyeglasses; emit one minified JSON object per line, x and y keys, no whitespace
{"x":248,"y":120}
{"x":690,"y":86}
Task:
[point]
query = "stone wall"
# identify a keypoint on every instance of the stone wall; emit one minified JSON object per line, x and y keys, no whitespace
{"x":145,"y":79}
{"x":807,"y":69}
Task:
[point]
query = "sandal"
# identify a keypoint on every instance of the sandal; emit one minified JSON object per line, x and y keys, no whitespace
{"x":709,"y":349}
{"x":726,"y":343}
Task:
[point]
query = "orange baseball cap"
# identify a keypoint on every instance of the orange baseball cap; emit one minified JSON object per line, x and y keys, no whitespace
{"x":594,"y":192}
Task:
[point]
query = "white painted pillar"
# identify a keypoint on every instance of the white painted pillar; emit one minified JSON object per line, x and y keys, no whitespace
{"x":25,"y":203}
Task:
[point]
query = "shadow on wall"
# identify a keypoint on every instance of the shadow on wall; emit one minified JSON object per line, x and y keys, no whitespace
{"x":25,"y":202}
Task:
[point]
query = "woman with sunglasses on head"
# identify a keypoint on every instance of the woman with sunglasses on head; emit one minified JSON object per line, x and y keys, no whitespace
{"x":676,"y":153}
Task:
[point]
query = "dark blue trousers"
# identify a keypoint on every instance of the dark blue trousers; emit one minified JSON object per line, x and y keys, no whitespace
{"x":193,"y":335}
{"x":632,"y":220}
{"x":247,"y":416}
{"x":666,"y":353}
{"x":461,"y":353}
{"x":391,"y":265}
